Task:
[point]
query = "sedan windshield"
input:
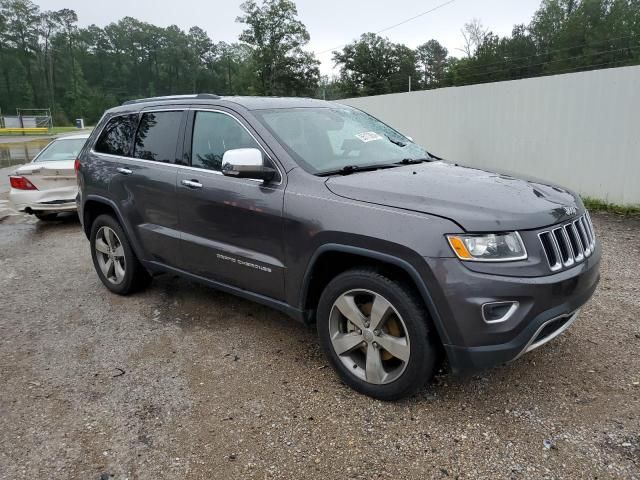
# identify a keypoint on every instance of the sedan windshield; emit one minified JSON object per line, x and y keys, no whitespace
{"x":325,"y":140}
{"x":61,"y":149}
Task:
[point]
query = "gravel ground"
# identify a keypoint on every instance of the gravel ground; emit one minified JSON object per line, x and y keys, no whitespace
{"x":185,"y":382}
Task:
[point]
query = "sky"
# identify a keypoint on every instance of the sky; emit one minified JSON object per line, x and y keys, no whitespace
{"x":331,"y":23}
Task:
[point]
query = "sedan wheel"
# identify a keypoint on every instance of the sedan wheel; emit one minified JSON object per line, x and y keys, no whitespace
{"x":110,"y":255}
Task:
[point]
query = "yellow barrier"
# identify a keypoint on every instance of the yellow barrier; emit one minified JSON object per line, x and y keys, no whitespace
{"x":24,"y":130}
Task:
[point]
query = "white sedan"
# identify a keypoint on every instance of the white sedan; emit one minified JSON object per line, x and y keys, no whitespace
{"x":47,"y":185}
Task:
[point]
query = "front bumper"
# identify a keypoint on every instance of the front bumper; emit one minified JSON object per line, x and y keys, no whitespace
{"x":547,"y":307}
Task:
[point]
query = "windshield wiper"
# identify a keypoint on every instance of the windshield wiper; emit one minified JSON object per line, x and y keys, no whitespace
{"x":349,"y":169}
{"x":413,"y":161}
{"x":396,"y":142}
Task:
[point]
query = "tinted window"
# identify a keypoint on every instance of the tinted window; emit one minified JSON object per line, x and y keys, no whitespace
{"x":213,"y":134}
{"x":117,"y":136}
{"x":157,"y":136}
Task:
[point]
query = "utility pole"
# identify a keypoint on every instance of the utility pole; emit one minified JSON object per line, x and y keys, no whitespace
{"x":409,"y":82}
{"x":229,"y":72}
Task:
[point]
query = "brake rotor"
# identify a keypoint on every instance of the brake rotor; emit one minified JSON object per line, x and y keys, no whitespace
{"x":391,"y":327}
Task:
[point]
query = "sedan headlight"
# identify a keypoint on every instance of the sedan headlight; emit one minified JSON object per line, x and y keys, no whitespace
{"x":489,"y":247}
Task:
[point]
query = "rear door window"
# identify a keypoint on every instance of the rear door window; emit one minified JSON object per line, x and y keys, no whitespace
{"x":157,"y":136}
{"x":117,"y":136}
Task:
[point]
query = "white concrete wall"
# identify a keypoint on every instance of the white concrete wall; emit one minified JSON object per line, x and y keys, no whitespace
{"x":581,"y":130}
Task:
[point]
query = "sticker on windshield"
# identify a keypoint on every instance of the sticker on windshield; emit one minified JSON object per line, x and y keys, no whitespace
{"x":368,"y":137}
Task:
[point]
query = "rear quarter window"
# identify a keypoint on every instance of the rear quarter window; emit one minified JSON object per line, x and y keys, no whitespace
{"x":61,"y":150}
{"x":117,"y":136}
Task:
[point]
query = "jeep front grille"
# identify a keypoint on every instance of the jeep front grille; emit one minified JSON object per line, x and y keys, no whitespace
{"x":568,"y":244}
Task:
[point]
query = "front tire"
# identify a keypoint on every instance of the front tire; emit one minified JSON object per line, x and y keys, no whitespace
{"x":113,"y":258}
{"x":375,"y":332}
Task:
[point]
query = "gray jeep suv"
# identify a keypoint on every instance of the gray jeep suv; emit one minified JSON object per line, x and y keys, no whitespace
{"x":321,"y":211}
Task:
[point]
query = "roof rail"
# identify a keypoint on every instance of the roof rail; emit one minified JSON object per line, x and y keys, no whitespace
{"x":199,"y":96}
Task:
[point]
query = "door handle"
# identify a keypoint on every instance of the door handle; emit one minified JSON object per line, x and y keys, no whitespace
{"x":191,"y":183}
{"x":124,"y":171}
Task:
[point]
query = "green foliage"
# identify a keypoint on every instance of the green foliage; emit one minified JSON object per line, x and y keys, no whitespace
{"x":373,"y":65}
{"x":47,"y":61}
{"x":564,"y":36}
{"x":275,"y":38}
{"x":596,"y":205}
{"x":433,"y":59}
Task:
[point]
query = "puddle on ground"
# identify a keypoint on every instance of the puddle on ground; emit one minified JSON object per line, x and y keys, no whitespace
{"x":22,"y":152}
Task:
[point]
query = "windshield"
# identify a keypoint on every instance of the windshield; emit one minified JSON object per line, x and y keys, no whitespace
{"x":61,"y":149}
{"x":329,"y":139}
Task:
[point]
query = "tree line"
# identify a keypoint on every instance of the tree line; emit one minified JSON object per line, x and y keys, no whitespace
{"x":48,"y":61}
{"x":563,"y":36}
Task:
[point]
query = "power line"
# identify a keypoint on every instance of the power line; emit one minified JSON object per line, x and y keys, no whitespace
{"x":587,"y":68}
{"x":597,"y":66}
{"x":396,"y":83}
{"x":568,"y":59}
{"x":437,"y":7}
{"x":394,"y":80}
{"x":549,"y":52}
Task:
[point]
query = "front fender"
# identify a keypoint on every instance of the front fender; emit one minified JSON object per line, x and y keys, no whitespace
{"x":417,"y":273}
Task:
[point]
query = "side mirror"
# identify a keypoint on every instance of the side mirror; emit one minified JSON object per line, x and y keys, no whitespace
{"x":246,"y":163}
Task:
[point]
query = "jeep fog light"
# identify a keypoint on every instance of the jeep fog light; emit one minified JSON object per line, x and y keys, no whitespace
{"x":490,"y":247}
{"x":498,"y":312}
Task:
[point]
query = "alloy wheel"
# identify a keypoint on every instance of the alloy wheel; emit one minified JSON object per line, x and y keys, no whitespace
{"x":110,"y":255}
{"x":369,"y":336}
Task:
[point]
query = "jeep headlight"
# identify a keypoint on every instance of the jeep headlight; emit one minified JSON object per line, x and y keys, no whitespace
{"x":488,"y":247}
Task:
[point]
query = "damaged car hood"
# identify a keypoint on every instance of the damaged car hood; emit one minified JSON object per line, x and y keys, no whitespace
{"x":477,"y":200}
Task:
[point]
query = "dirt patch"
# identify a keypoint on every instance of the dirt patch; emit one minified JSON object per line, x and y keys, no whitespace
{"x":182,"y":381}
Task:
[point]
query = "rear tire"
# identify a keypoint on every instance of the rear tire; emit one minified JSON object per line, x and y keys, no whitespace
{"x":113,"y":258}
{"x":45,"y":216}
{"x":389,"y":316}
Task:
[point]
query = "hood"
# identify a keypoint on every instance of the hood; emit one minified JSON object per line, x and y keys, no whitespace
{"x":477,"y":200}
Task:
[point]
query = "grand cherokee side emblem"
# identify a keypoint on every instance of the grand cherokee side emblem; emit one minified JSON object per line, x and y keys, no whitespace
{"x":570,"y":210}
